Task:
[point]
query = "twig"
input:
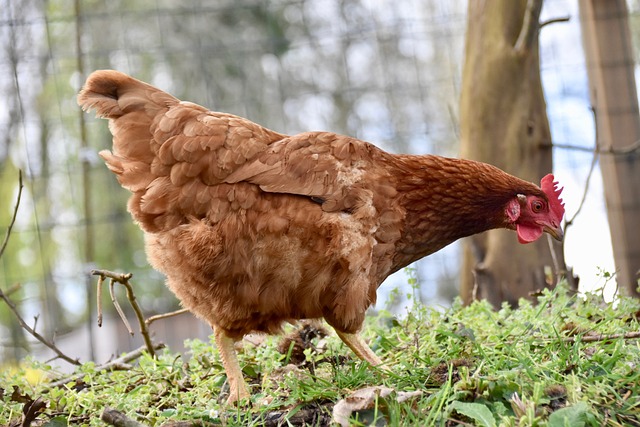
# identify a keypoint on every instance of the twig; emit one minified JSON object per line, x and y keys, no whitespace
{"x":602,"y":337}
{"x":118,"y":277}
{"x":555,"y":21}
{"x":119,"y":310}
{"x":582,"y":338}
{"x":118,"y":419}
{"x":592,"y":168}
{"x":554,"y":258}
{"x":123,"y":279}
{"x":10,"y":303}
{"x":13,"y":289}
{"x":113,"y":364}
{"x":99,"y":299}
{"x":35,"y":334}
{"x":152,"y":319}
{"x":14,"y":216}
{"x":594,"y":160}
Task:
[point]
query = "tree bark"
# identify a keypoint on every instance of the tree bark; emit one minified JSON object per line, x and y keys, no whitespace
{"x":503,"y":121}
{"x":610,"y":66}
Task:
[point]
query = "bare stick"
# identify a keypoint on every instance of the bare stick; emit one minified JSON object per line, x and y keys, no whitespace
{"x":99,"y":299}
{"x":585,"y":338}
{"x":123,"y":279}
{"x":152,"y":319}
{"x":594,"y":161}
{"x":13,"y":289}
{"x":554,"y":257}
{"x":144,"y":330}
{"x":602,"y":337}
{"x":14,"y":216}
{"x":555,"y":21}
{"x":35,"y":334}
{"x":116,"y":304}
{"x":118,"y":277}
{"x":10,"y":303}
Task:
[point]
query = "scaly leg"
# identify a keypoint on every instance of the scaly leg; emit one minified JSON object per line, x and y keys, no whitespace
{"x":361,"y":349}
{"x":238,"y":388}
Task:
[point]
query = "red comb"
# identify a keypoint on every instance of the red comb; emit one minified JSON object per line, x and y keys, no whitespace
{"x":553,"y":191}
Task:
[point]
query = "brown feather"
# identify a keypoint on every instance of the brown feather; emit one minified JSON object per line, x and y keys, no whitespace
{"x":254,"y":228}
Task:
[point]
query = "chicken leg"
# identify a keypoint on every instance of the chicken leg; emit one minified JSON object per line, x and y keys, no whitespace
{"x":237,"y":387}
{"x":361,"y":349}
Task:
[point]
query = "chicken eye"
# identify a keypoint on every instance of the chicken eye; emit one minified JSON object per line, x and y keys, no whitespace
{"x":537,"y":206}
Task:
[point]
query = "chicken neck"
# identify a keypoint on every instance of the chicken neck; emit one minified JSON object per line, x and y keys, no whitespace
{"x":446,"y":199}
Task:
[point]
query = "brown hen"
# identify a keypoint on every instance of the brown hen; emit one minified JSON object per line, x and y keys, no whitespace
{"x":254,"y":228}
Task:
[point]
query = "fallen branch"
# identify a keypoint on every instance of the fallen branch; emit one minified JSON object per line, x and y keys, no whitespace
{"x":586,"y":337}
{"x":7,"y":300}
{"x":123,"y":279}
{"x":602,"y":337}
{"x":582,"y":338}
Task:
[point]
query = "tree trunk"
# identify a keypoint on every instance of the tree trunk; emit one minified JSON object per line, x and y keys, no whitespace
{"x":610,"y":65}
{"x":503,"y":121}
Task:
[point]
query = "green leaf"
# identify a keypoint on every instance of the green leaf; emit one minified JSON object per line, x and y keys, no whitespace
{"x":250,"y":371}
{"x":59,"y":421}
{"x":476,"y":411}
{"x":571,"y":416}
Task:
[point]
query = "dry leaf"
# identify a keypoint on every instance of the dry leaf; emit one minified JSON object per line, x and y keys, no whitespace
{"x":364,"y":399}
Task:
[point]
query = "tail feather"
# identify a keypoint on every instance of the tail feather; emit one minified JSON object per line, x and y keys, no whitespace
{"x":113,"y":94}
{"x":168,"y":153}
{"x":100,"y":93}
{"x":131,"y":107}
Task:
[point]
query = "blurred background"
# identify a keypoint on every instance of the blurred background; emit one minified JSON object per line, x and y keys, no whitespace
{"x":384,"y":71}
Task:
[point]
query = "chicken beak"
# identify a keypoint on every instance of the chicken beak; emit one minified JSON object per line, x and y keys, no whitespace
{"x":555,"y":232}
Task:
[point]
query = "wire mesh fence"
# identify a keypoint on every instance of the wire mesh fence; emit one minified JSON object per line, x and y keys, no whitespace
{"x":386,"y":72}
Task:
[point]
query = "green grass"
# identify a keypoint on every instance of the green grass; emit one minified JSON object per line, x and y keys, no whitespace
{"x":473,"y":365}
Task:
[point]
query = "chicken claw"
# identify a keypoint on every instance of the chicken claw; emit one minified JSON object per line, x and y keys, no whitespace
{"x":237,"y":387}
{"x":361,"y":349}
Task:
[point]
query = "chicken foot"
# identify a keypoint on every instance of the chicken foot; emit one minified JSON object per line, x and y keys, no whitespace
{"x":237,"y":387}
{"x":361,"y":349}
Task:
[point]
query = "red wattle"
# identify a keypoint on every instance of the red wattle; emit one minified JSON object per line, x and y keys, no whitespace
{"x":528,"y":233}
